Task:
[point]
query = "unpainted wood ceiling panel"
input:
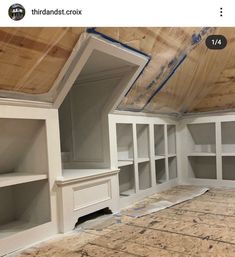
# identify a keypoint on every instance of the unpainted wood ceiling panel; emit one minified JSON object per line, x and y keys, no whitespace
{"x":196,"y":78}
{"x":164,"y":45}
{"x":31,"y":58}
{"x":221,"y":92}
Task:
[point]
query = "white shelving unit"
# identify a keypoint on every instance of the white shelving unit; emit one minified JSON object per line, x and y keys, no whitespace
{"x":144,"y":149}
{"x":29,"y":163}
{"x":24,"y":188}
{"x":208,"y":150}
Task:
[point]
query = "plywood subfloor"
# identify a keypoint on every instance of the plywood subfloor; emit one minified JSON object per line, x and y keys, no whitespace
{"x":203,"y":226}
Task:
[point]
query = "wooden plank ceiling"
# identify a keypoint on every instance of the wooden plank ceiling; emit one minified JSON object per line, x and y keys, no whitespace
{"x":183,"y":75}
{"x":31,"y":58}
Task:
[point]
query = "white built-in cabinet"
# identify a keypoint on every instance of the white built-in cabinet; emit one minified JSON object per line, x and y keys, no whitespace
{"x":144,"y":151}
{"x":89,"y":182}
{"x":29,"y":162}
{"x":208,"y":150}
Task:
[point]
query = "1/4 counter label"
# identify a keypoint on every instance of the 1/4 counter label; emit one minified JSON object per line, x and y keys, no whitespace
{"x":216,"y":42}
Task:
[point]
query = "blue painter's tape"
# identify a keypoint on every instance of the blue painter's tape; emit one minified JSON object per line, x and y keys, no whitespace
{"x":138,"y":76}
{"x":196,"y":38}
{"x":166,"y":79}
{"x":93,"y":31}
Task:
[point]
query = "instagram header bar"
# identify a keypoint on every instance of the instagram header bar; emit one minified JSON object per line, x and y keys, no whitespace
{"x":117,"y":13}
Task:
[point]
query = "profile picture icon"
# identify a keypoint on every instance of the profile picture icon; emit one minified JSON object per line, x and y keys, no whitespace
{"x":16,"y":12}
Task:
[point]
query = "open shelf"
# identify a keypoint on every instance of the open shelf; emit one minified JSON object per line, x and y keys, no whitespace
{"x":159,"y":142}
{"x":127,"y":180}
{"x":124,"y":144}
{"x":201,"y":154}
{"x":19,"y":178}
{"x":228,"y":137}
{"x":25,"y":206}
{"x":160,"y":171}
{"x":228,"y":154}
{"x":122,"y":163}
{"x":203,"y":167}
{"x":159,"y":157}
{"x":171,"y":139}
{"x":201,"y":138}
{"x":23,"y":151}
{"x":172,"y":166}
{"x":171,"y":155}
{"x":143,"y":140}
{"x":144,"y":175}
{"x":228,"y":168}
{"x":140,"y":160}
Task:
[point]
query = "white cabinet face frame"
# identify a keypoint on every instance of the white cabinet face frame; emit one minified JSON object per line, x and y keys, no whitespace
{"x":144,"y":162}
{"x":220,"y":159}
{"x":35,"y":234}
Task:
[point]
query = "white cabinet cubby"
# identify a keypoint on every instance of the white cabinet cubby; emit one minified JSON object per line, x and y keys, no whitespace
{"x":171,"y":139}
{"x":142,"y":131}
{"x":23,"y":151}
{"x":24,"y":189}
{"x":208,"y":150}
{"x":159,"y":141}
{"x":201,"y":139}
{"x":126,"y":180}
{"x":144,"y":175}
{"x":228,"y":137}
{"x":25,"y":206}
{"x":160,"y":169}
{"x":203,"y":167}
{"x":228,"y":167}
{"x":172,"y":166}
{"x":125,"y":144}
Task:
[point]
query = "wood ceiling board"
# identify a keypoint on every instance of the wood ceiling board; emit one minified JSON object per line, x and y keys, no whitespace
{"x":163,"y":44}
{"x":214,"y":62}
{"x":36,"y":56}
{"x":193,"y":79}
{"x":221,"y":95}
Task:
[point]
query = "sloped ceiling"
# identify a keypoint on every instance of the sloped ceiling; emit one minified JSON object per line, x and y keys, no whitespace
{"x":182,"y":76}
{"x":31,"y":58}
